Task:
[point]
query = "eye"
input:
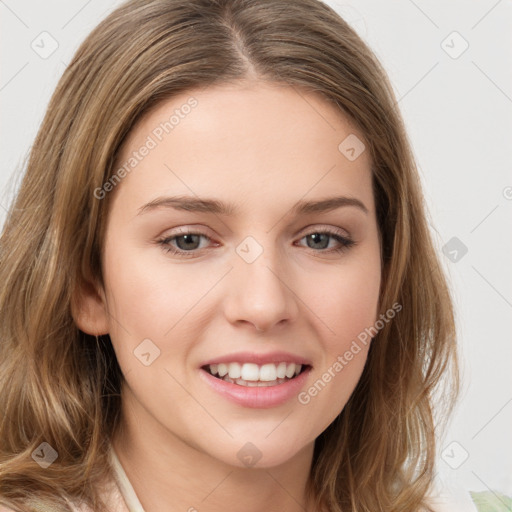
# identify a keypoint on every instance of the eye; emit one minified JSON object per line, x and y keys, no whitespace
{"x":187,"y":243}
{"x":320,"y":240}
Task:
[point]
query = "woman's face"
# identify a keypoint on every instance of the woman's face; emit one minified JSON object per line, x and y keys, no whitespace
{"x":264,"y":275}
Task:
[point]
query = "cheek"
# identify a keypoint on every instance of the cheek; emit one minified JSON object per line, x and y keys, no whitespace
{"x":352,"y":306}
{"x":150,"y":298}
{"x":142,"y":305}
{"x":349,"y":299}
{"x":351,"y":309}
{"x":148,"y":295}
{"x":348,"y":309}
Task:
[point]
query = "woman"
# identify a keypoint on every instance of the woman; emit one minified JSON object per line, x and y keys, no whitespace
{"x":288,"y":362}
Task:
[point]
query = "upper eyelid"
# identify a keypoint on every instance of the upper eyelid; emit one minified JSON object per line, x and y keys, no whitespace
{"x":204,"y":231}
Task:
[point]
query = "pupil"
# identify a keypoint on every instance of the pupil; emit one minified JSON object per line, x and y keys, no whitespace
{"x":188,"y":239}
{"x":315,"y":237}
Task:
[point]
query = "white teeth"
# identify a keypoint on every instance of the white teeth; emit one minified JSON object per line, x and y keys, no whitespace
{"x":290,"y":370}
{"x":251,"y":373}
{"x":223,"y":369}
{"x":281,"y":371}
{"x":268,"y":372}
{"x":234,"y":371}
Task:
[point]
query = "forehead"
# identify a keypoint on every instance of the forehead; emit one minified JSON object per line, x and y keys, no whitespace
{"x":252,"y":141}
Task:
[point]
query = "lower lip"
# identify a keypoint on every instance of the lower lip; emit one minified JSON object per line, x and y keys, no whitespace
{"x":254,"y":396}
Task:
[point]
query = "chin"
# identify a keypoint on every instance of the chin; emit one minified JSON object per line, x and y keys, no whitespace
{"x":261,"y":453}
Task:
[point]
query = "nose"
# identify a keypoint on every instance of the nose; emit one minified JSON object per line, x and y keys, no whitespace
{"x":260,"y":294}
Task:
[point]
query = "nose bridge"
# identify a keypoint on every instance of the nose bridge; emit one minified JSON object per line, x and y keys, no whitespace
{"x":259,"y":292}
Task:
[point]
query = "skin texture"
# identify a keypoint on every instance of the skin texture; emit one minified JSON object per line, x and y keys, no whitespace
{"x":262,"y":147}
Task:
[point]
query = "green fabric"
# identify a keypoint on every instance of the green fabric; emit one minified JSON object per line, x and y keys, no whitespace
{"x":487,"y":501}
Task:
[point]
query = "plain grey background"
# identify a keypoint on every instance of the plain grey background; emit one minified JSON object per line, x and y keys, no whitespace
{"x":450,"y":65}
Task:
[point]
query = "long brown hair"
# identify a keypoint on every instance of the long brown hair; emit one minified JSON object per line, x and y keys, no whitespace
{"x":62,"y":386}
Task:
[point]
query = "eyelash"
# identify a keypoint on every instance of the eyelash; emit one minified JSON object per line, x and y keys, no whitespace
{"x":346,"y":243}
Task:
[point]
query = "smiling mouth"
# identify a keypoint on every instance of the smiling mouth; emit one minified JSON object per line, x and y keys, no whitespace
{"x":253,"y":375}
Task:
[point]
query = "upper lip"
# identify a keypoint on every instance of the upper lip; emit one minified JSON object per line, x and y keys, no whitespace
{"x":259,"y":359}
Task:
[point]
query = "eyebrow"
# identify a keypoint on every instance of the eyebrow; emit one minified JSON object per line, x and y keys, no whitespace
{"x":207,"y":205}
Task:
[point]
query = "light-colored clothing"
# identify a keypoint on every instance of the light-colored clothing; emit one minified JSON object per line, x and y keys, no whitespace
{"x":125,"y":487}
